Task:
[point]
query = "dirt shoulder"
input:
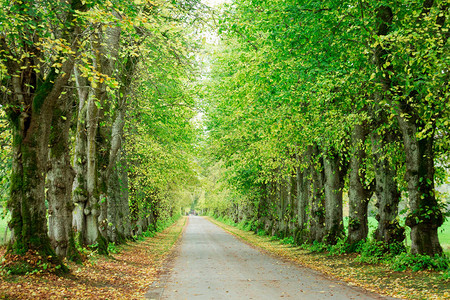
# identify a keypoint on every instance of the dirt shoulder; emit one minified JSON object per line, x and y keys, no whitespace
{"x":373,"y":277}
{"x":124,"y":275}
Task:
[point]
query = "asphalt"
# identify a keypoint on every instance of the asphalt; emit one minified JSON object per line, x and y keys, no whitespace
{"x":210,"y":263}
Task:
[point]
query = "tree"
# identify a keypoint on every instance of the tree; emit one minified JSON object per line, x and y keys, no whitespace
{"x":39,"y":59}
{"x":335,"y":78}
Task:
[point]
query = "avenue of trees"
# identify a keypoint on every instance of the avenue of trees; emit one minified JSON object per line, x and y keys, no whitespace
{"x":309,"y":107}
{"x":95,"y":127}
{"x":308,"y":103}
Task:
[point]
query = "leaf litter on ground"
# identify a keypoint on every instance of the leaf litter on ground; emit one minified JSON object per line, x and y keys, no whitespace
{"x":124,"y":275}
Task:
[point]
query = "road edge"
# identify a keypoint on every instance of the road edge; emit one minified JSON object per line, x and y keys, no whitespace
{"x":156,"y":289}
{"x":352,"y":283}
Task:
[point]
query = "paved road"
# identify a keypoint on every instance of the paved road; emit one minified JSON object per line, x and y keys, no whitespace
{"x":212,"y":264}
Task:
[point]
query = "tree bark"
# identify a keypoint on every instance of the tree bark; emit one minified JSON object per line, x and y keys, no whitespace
{"x":283,"y":201}
{"x":31,"y":131}
{"x":60,"y":180}
{"x":303,"y":196}
{"x":293,"y":222}
{"x":334,"y":184}
{"x":359,"y":192}
{"x":116,"y":187}
{"x":92,"y":208}
{"x":425,"y":216}
{"x":116,"y":216}
{"x":263,"y":209}
{"x":79,"y":190}
{"x":27,"y":200}
{"x":388,"y":195}
{"x":317,"y":218}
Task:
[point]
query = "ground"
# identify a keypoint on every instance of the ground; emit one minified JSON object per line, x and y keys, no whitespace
{"x":130,"y":273}
{"x":124,"y":275}
{"x":378,"y":278}
{"x":212,"y":264}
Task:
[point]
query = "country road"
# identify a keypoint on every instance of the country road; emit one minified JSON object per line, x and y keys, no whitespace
{"x":209,"y":263}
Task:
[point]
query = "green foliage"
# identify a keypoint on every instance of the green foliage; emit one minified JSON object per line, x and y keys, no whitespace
{"x":112,"y":248}
{"x":246,"y":225}
{"x":5,"y":161}
{"x":159,"y":149}
{"x":315,"y":247}
{"x":261,"y":232}
{"x":445,"y":275}
{"x":289,"y":75}
{"x":162,"y":224}
{"x":371,"y":252}
{"x":226,"y":220}
{"x":274,"y":238}
{"x":289,"y":240}
{"x":340,"y":247}
{"x":419,"y":262}
{"x":148,"y":233}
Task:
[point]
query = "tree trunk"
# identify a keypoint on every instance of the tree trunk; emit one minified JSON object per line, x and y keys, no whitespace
{"x":293,"y":222}
{"x":359,"y":193}
{"x":124,"y":216}
{"x":283,"y":200}
{"x":116,"y":188}
{"x":114,"y":206}
{"x":30,"y":112}
{"x":27,"y":199}
{"x":425,"y":216}
{"x":334,"y":185}
{"x":92,"y":208}
{"x":79,"y":190}
{"x":109,"y":135}
{"x":60,"y":180}
{"x":273,"y":204}
{"x":31,"y":133}
{"x":317,"y":218}
{"x":303,"y":196}
{"x":263,"y":209}
{"x":388,"y":195}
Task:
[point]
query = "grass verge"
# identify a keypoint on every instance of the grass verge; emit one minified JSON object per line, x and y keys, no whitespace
{"x":378,"y":278}
{"x":126,"y":274}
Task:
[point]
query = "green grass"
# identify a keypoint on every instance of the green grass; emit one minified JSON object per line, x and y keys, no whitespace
{"x":3,"y":225}
{"x":444,"y":236}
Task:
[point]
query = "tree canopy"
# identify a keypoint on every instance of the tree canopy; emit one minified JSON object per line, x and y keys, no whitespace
{"x":118,"y":116}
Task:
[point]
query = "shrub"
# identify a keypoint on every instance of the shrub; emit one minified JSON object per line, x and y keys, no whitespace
{"x":112,"y":248}
{"x":274,"y":238}
{"x":445,"y":275}
{"x":340,"y":247}
{"x":378,"y":251}
{"x":289,"y":240}
{"x":419,"y":262}
{"x":261,"y":232}
{"x":148,"y":233}
{"x":371,"y":252}
{"x":315,"y":247}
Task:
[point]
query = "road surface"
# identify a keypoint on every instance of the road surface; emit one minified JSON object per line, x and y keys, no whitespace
{"x":209,"y":263}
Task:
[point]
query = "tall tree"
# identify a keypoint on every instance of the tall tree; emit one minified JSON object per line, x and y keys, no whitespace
{"x":39,"y":58}
{"x":414,"y":104}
